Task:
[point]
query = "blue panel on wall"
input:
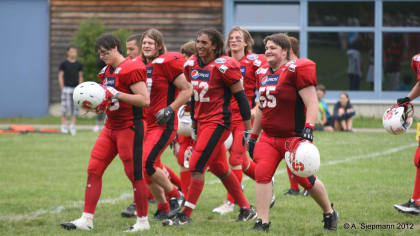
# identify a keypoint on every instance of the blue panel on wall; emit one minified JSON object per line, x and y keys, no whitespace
{"x":24,"y":58}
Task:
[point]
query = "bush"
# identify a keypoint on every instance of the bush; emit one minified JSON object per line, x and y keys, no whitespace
{"x":85,"y":38}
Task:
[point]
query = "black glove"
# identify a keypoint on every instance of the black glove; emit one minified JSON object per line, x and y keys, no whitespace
{"x":245,"y":138}
{"x":164,"y":115}
{"x":251,"y":145}
{"x":403,"y":101}
{"x":307,"y":132}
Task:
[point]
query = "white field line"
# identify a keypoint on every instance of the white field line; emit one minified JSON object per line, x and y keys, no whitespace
{"x":129,"y":195}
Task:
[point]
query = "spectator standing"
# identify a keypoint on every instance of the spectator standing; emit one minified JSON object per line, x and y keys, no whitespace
{"x":70,"y":74}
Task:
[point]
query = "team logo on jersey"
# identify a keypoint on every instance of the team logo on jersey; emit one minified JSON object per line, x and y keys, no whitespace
{"x":220,"y":60}
{"x":252,"y":56}
{"x":158,"y":60}
{"x":243,"y":70}
{"x":269,"y":80}
{"x":109,"y":81}
{"x":118,"y":70}
{"x":149,"y":72}
{"x":257,"y":63}
{"x":189,"y":63}
{"x":292,"y":68}
{"x":262,"y":71}
{"x":223,"y":68}
{"x":203,"y":75}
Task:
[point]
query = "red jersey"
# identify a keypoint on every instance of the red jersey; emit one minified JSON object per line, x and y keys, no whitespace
{"x":249,"y":65}
{"x":161,"y":73}
{"x":211,"y":84}
{"x":415,"y":65}
{"x":129,"y":72}
{"x":283,"y":110}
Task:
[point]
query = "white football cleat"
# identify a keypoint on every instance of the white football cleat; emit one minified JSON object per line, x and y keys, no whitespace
{"x":72,"y":130}
{"x":83,"y":223}
{"x":64,"y":129}
{"x":141,"y":224}
{"x":225,"y":208}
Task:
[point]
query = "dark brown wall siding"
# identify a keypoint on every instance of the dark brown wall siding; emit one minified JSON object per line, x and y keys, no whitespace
{"x":178,"y":20}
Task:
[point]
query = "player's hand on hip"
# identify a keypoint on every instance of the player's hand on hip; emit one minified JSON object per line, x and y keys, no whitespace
{"x":307,"y":132}
{"x":164,"y":115}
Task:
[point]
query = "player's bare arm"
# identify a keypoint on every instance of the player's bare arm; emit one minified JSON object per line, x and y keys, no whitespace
{"x":185,"y":92}
{"x":139,"y":98}
{"x":415,"y":92}
{"x":81,"y":77}
{"x":61,"y":79}
{"x":310,"y":100}
{"x":237,"y":88}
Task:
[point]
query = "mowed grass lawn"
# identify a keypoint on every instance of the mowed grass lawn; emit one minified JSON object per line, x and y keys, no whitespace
{"x":43,"y":176}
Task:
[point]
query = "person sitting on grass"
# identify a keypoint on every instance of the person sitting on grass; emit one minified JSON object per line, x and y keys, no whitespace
{"x":343,"y":114}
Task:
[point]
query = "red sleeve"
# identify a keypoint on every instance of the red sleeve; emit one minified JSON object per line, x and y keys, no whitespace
{"x":415,"y":65}
{"x":230,"y":71}
{"x":175,"y":66}
{"x":305,"y":75}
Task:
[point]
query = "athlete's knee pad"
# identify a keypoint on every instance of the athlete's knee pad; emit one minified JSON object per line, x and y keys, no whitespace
{"x":96,"y":167}
{"x":306,"y":182}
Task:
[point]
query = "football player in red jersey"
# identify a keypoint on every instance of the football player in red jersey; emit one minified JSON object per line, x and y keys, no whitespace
{"x":215,"y":79}
{"x":239,"y":46}
{"x":412,"y":206}
{"x":287,"y":108}
{"x":294,"y":185}
{"x":125,"y":82}
{"x":168,"y":90}
{"x":133,"y":46}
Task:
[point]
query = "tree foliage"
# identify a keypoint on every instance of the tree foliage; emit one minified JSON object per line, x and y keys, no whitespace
{"x":89,"y":31}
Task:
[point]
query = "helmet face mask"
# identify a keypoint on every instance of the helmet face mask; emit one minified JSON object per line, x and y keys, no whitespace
{"x":88,"y":95}
{"x":398,"y":119}
{"x":302,"y":157}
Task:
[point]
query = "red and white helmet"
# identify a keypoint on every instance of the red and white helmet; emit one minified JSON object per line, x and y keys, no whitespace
{"x":398,"y":119}
{"x":184,"y":122}
{"x":302,"y":157}
{"x":88,"y":95}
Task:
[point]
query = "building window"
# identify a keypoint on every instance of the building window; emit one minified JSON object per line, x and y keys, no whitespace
{"x":398,"y":48}
{"x":341,"y":14}
{"x":276,"y":15}
{"x":258,"y":37}
{"x":401,"y":13}
{"x":344,"y":59}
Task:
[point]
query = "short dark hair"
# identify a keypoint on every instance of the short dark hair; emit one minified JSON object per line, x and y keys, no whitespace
{"x":188,"y":48}
{"x":108,"y":41}
{"x":70,"y":47}
{"x":216,"y":39}
{"x":281,"y":40}
{"x":137,"y":38}
{"x":321,"y":87}
{"x":294,"y":45}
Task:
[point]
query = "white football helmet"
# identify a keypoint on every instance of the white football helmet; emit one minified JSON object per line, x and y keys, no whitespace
{"x":88,"y":95}
{"x":302,"y":157}
{"x":184,"y":122}
{"x":398,"y":119}
{"x":228,"y":142}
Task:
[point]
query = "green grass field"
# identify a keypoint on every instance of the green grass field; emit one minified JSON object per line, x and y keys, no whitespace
{"x":42,"y":181}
